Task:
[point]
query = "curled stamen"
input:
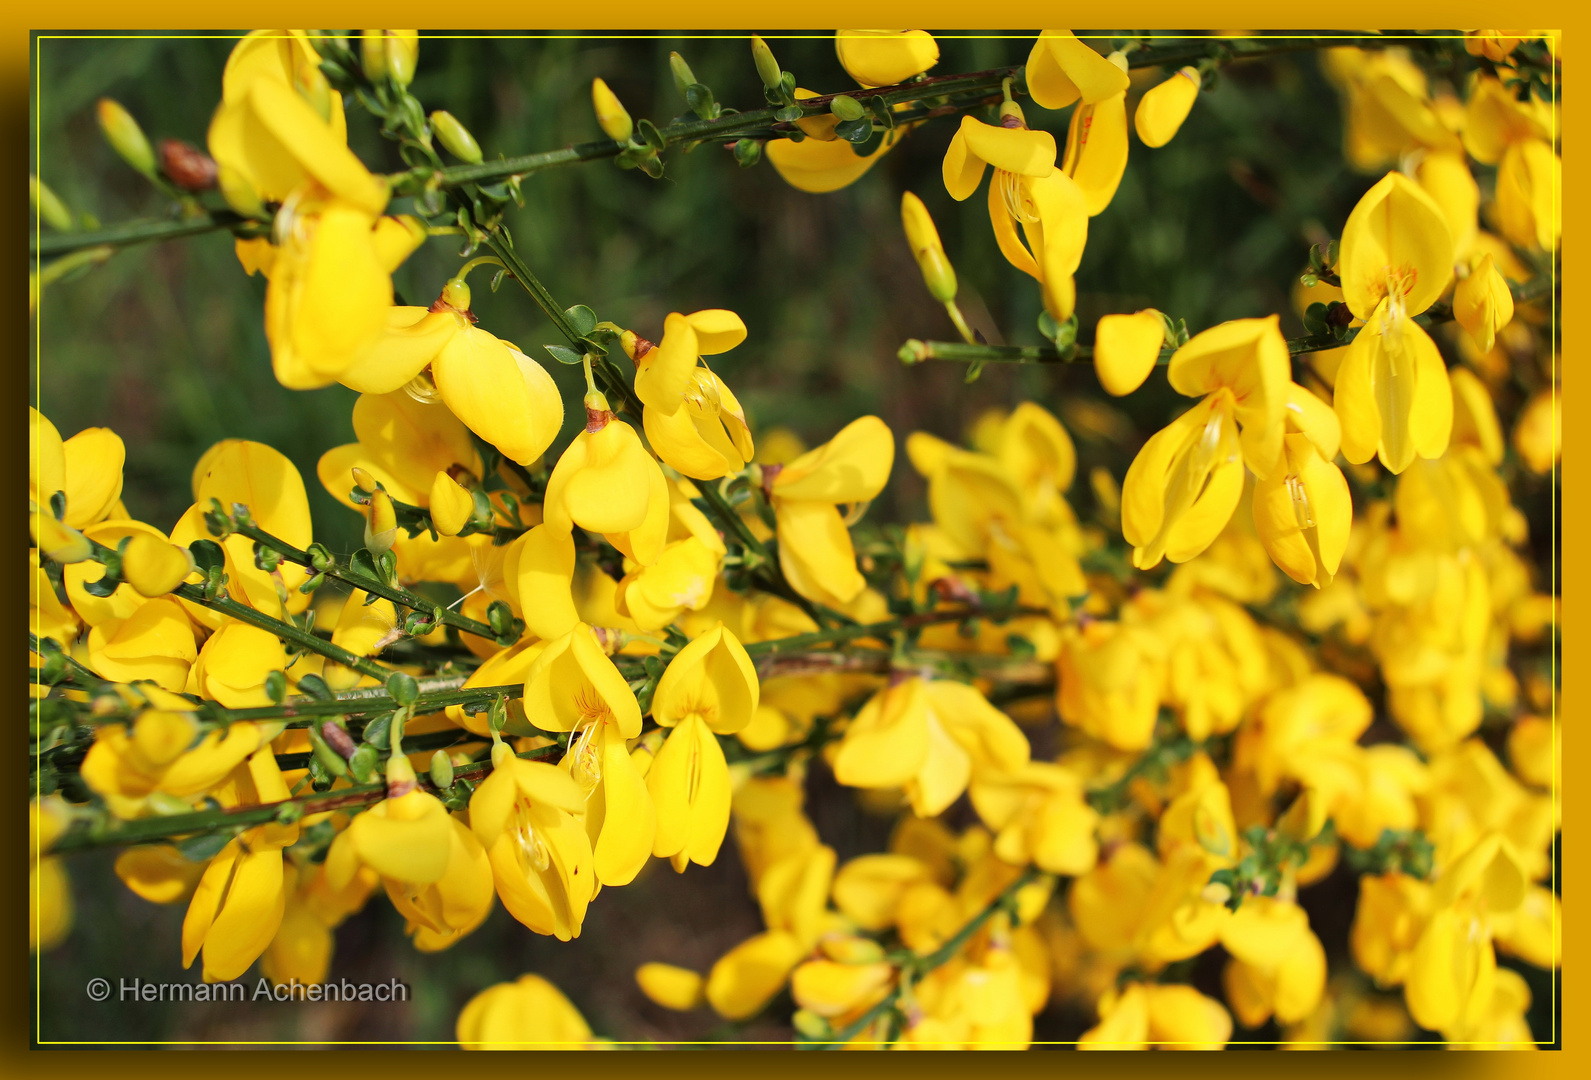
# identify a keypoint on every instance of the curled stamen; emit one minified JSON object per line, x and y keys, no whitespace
{"x":1017,"y":204}
{"x":1303,"y":513}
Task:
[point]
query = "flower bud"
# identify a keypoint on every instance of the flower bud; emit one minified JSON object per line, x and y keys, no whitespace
{"x":49,"y":205}
{"x":154,"y":567}
{"x":364,"y":480}
{"x":938,"y":274}
{"x":1163,"y":109}
{"x":390,"y":54}
{"x":381,"y":532}
{"x":683,"y":75}
{"x":126,"y":137}
{"x":441,"y":770}
{"x":767,"y":67}
{"x":185,"y":165}
{"x":59,"y":542}
{"x":452,"y":505}
{"x":847,"y":108}
{"x":455,"y":137}
{"x":1482,"y":304}
{"x":400,"y":776}
{"x":611,"y":116}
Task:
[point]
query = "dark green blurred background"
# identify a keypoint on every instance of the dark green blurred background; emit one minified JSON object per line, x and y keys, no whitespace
{"x":165,"y":345}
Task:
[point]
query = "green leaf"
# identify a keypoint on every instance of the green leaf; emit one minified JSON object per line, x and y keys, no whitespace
{"x":403,"y":688}
{"x":789,"y":114}
{"x":315,"y":687}
{"x":563,"y":354}
{"x":652,"y":136}
{"x":207,"y":555}
{"x":881,"y":112}
{"x":700,"y":99}
{"x":205,"y":846}
{"x":582,"y":318}
{"x":855,"y":131}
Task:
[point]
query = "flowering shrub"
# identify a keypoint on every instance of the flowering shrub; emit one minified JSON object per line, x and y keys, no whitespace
{"x":1118,"y":746}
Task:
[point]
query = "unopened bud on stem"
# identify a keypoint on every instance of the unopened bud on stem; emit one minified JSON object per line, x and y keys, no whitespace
{"x":126,"y":137}
{"x":683,"y":75}
{"x":938,"y":274}
{"x":767,"y":67}
{"x":455,"y":137}
{"x":611,"y":115}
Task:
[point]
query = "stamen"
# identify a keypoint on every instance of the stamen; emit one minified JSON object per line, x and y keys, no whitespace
{"x":1017,"y":204}
{"x":1303,"y":513}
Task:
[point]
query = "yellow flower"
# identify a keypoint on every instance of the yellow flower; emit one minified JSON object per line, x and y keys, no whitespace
{"x":1278,"y":965}
{"x":239,"y":902}
{"x":1303,"y":512}
{"x":1039,"y":815}
{"x":1538,"y":433}
{"x":1061,"y":69}
{"x":49,"y":889}
{"x":927,"y":736}
{"x":691,"y":418}
{"x":155,"y":642}
{"x":619,"y":817}
{"x":683,"y":577}
{"x":923,"y":238}
{"x":815,"y":549}
{"x":163,"y":752}
{"x":1392,"y":392}
{"x":279,"y":125}
{"x":746,"y":977}
{"x":1109,"y":680}
{"x":439,"y":913}
{"x":1183,"y":486}
{"x":831,"y":989}
{"x":1391,"y":913}
{"x":1445,"y":176}
{"x":606,"y":482}
{"x":330,"y":288}
{"x":524,"y":814}
{"x":1026,"y":188}
{"x":1162,"y":110}
{"x":265,"y":481}
{"x":529,"y":1013}
{"x":572,"y":685}
{"x":87,"y":468}
{"x":403,"y":443}
{"x":232,"y":666}
{"x":1165,"y":1017}
{"x":885,"y":57}
{"x":710,"y":688}
{"x":1126,"y":348}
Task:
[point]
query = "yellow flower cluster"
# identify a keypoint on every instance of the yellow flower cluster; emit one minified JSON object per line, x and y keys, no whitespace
{"x":662,"y":630}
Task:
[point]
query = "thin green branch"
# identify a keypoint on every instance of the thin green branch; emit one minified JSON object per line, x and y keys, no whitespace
{"x":286,"y":631}
{"x":757,"y":123}
{"x":346,"y":573}
{"x":112,"y":832}
{"x":916,"y":351}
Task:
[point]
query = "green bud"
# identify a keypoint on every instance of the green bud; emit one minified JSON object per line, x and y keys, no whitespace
{"x":51,"y":209}
{"x":362,"y":766}
{"x":159,"y":802}
{"x":276,"y":686}
{"x":767,"y":67}
{"x":847,"y":108}
{"x":403,"y":688}
{"x":455,"y":137}
{"x":126,"y":137}
{"x":811,"y":1025}
{"x":748,"y":152}
{"x":330,"y":760}
{"x":683,"y":76}
{"x":390,"y":54}
{"x":441,"y":770}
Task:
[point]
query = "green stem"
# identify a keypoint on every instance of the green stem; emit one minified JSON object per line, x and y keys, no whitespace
{"x":111,"y":832}
{"x":755,"y":123}
{"x":286,"y":631}
{"x":839,"y":634}
{"x":916,"y":351}
{"x":369,"y":584}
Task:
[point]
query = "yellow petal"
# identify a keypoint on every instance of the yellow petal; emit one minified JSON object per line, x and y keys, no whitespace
{"x":1126,"y":348}
{"x":677,"y":988}
{"x":1062,"y":69}
{"x":1096,"y":150}
{"x":1162,"y":110}
{"x":571,"y":680}
{"x":93,"y":481}
{"x":746,"y":977}
{"x":851,"y":467}
{"x":1015,"y":150}
{"x":713,"y":678}
{"x":1396,"y":239}
{"x":815,"y":552}
{"x":501,"y":394}
{"x":885,"y":57}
